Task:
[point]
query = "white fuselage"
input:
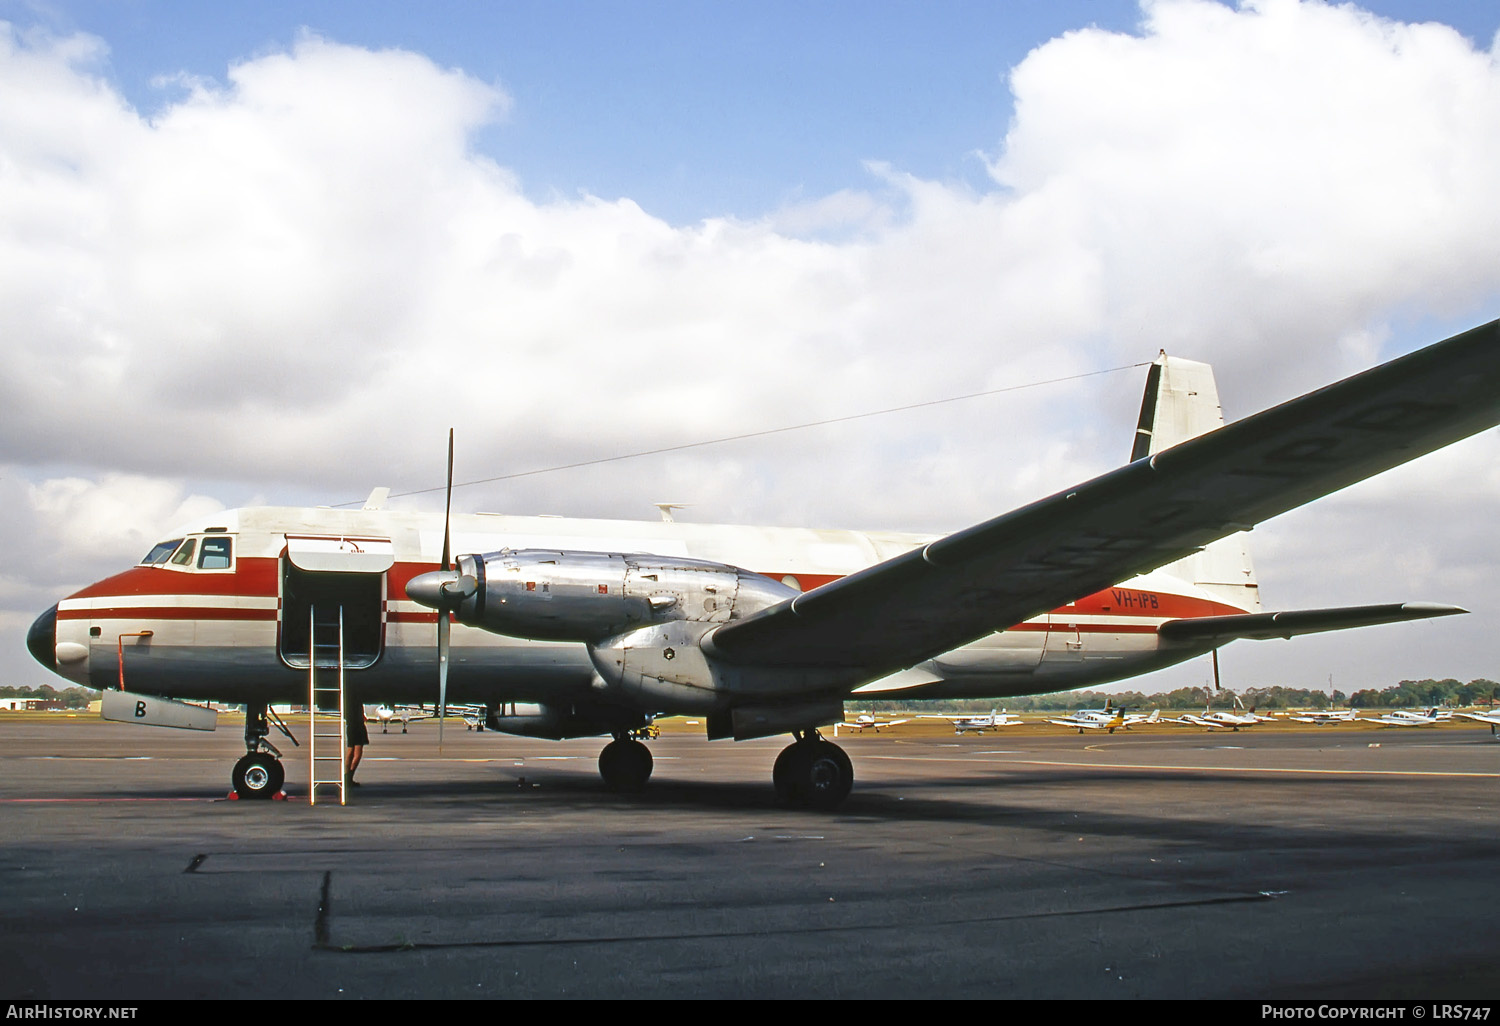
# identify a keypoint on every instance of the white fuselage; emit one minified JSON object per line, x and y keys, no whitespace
{"x":234,"y":626}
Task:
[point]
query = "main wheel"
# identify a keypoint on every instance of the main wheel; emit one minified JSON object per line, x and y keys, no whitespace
{"x":258,"y":775}
{"x":813,"y":774}
{"x":788,"y":771}
{"x":828,"y":778}
{"x":625,"y":765}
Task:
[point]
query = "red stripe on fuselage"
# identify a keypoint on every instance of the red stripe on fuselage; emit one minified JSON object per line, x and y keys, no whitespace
{"x":250,"y":577}
{"x":257,"y":577}
{"x":166,"y":613}
{"x":1141,"y":602}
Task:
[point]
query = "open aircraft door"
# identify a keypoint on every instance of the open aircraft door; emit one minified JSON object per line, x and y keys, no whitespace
{"x":322,"y":575}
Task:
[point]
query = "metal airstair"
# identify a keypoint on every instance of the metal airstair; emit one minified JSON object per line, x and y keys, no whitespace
{"x":325,"y":700}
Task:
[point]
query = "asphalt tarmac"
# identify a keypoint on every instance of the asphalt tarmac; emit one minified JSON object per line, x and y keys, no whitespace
{"x":1316,"y":863}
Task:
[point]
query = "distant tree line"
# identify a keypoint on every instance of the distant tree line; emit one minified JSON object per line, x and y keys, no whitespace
{"x":71,"y":698}
{"x":1409,"y":694}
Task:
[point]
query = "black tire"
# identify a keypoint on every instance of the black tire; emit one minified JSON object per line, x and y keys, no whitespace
{"x":258,"y":775}
{"x":625,"y":766}
{"x":813,"y":774}
{"x":827,"y":778}
{"x":786,"y":773}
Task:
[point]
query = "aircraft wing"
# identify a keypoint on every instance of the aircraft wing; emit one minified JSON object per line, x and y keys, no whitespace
{"x":1131,"y":520}
{"x":1263,"y":626}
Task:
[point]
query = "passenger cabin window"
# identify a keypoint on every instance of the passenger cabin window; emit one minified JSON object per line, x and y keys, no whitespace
{"x":159,"y":554}
{"x":184,"y":556}
{"x":216,"y":554}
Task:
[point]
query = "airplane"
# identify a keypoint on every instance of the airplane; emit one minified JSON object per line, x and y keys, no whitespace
{"x":978,"y":724}
{"x":866,"y":721}
{"x":403,"y":714}
{"x":472,"y":715}
{"x":1407,"y":718}
{"x":1105,"y":719}
{"x":1492,"y":718}
{"x":1326,"y":717}
{"x":1212,"y":720}
{"x":576,"y":628}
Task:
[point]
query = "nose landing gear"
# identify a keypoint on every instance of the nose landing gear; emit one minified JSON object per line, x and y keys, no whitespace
{"x":260,"y":774}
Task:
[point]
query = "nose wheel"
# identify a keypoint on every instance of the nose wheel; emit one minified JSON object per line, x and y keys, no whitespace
{"x":258,"y":775}
{"x":812,"y":773}
{"x":625,"y":764}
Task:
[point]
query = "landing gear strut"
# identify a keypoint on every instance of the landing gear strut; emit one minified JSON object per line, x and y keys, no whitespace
{"x":812,"y":773}
{"x":625,"y":764}
{"x":260,"y":773}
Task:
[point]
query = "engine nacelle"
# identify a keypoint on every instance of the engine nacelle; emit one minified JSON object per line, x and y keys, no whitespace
{"x":558,"y":722}
{"x":551,"y":595}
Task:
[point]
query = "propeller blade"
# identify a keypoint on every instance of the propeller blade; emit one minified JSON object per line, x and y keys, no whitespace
{"x":443,"y":628}
{"x":448,"y":504}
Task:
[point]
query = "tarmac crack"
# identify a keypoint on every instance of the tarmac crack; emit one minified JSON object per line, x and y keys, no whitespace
{"x":379,"y":949}
{"x":320,"y":924}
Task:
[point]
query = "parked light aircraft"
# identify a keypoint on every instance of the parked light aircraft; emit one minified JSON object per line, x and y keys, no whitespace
{"x":865,"y":722}
{"x":1214,"y":719}
{"x":402,"y":714}
{"x":571,"y":628}
{"x":1105,"y":719}
{"x":1492,"y":718}
{"x":473,"y":715}
{"x":1409,"y":718}
{"x":1326,"y":717}
{"x":978,"y":724}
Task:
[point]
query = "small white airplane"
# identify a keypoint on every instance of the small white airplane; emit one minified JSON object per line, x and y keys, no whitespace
{"x":472,"y":715}
{"x":1408,"y":718}
{"x":1215,"y":718}
{"x":578,"y":628}
{"x":402,"y":714}
{"x":1325,"y":718}
{"x":1492,"y":718}
{"x":978,"y":724}
{"x":865,"y":721}
{"x":1105,"y":719}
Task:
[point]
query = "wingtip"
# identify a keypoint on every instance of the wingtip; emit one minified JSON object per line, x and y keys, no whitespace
{"x":1432,"y":609}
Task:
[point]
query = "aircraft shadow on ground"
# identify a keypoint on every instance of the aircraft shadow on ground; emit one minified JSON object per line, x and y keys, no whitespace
{"x":970,"y":800}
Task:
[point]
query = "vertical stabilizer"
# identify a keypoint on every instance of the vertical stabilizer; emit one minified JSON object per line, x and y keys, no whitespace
{"x":1182,"y":402}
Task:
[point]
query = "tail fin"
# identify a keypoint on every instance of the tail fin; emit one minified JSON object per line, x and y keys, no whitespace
{"x":1182,"y":402}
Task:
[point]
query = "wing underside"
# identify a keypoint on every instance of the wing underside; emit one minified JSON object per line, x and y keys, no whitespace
{"x":1131,"y":520}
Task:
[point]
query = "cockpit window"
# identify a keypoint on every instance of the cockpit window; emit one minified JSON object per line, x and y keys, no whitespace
{"x":162,"y":550}
{"x":184,"y":556}
{"x":216,"y":554}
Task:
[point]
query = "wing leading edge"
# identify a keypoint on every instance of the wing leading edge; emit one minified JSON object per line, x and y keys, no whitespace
{"x":1130,"y":520}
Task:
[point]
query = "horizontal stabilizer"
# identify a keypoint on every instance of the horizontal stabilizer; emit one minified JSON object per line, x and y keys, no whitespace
{"x":1264,"y":626}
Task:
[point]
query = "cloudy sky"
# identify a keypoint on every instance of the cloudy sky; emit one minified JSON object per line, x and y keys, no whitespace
{"x":269,"y":253}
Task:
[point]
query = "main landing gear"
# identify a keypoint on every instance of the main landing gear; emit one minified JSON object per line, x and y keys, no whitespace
{"x":260,"y":773}
{"x":812,"y":773}
{"x":625,"y":764}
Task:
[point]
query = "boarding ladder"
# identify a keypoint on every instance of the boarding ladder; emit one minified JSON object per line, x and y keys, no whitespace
{"x":325,"y":700}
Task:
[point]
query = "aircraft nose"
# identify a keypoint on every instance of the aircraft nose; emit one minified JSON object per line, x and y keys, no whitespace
{"x":41,"y":640}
